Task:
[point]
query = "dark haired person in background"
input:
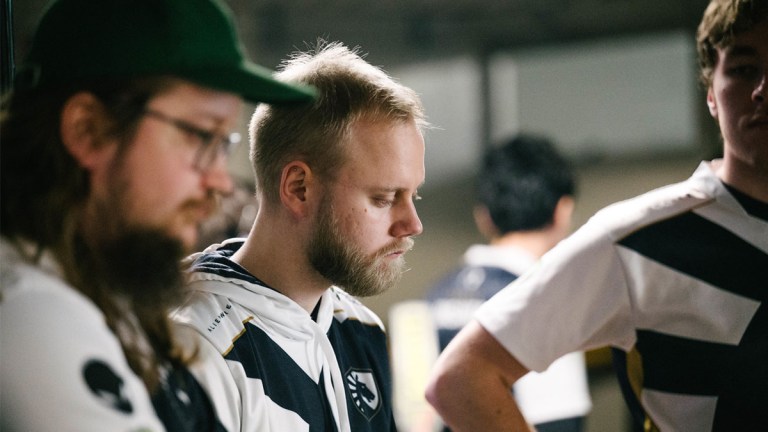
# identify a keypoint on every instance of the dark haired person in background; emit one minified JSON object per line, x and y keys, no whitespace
{"x":525,"y":195}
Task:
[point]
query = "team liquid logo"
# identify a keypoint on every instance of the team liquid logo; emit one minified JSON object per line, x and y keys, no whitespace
{"x":365,"y":393}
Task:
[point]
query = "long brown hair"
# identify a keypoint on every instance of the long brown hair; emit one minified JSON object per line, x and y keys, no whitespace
{"x":43,"y":191}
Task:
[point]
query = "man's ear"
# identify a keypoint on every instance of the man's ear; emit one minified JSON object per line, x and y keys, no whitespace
{"x":82,"y":123}
{"x":295,"y":180}
{"x":484,"y":222}
{"x":711,"y":103}
{"x":562,"y":217}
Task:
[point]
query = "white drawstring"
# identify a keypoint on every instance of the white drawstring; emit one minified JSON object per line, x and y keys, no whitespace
{"x":334,"y":387}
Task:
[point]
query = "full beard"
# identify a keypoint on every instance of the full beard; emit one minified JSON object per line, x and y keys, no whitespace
{"x":137,"y":263}
{"x":141,"y":266}
{"x":337,"y":259}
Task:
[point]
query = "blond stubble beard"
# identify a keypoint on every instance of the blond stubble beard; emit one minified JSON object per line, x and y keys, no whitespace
{"x":340,"y":261}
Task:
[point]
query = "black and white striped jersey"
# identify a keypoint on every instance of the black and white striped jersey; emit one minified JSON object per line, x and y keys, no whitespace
{"x":677,"y":279}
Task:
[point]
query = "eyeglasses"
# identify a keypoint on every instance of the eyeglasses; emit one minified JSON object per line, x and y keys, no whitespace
{"x":210,"y":145}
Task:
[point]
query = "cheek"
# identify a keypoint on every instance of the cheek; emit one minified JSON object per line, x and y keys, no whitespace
{"x":360,"y":226}
{"x":155,"y":190}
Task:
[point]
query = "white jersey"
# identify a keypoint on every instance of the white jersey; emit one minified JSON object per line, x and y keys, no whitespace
{"x":61,"y":367}
{"x":269,"y":366}
{"x":676,"y":278}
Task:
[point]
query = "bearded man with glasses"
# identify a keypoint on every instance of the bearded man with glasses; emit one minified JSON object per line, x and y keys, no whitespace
{"x":114,"y":143}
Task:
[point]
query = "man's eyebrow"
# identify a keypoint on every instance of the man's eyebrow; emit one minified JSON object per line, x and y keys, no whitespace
{"x":389,"y":189}
{"x":395,"y":189}
{"x":740,"y":51}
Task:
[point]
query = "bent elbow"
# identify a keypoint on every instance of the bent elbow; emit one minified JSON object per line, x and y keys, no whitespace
{"x":430,"y":393}
{"x":437,"y":388}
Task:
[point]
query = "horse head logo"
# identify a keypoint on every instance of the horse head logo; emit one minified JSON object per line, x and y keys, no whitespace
{"x":364,"y":391}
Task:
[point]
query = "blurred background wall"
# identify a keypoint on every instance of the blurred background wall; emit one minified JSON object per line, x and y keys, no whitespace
{"x":614,"y":82}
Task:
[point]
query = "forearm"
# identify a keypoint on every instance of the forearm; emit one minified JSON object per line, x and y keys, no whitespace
{"x":468,"y":404}
{"x":471,"y":382}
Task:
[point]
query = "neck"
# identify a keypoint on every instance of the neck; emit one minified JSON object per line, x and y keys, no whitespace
{"x":280,"y":262}
{"x":748,"y":179}
{"x":537,"y":242}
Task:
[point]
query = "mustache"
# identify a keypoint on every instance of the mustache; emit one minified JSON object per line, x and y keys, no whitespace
{"x":400,"y":245}
{"x":208,"y":204}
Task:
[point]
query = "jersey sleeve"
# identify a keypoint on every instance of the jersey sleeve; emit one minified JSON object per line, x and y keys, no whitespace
{"x":62,"y":368}
{"x":575,"y":299}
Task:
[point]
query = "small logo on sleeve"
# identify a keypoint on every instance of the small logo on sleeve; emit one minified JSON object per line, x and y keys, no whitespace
{"x":107,"y":386}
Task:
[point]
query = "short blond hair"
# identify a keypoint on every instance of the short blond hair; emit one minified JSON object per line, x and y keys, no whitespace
{"x":348,"y":88}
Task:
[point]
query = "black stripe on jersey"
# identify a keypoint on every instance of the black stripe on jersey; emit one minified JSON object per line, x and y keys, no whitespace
{"x":737,"y":375}
{"x":681,"y":365}
{"x":702,"y":249}
{"x":284,"y":381}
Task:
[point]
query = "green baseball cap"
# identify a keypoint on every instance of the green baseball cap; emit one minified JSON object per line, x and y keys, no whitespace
{"x":106,"y":39}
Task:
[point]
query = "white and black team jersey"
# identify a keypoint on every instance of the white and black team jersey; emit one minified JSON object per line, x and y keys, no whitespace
{"x":677,"y":279}
{"x":62,"y":367}
{"x":268,"y":365}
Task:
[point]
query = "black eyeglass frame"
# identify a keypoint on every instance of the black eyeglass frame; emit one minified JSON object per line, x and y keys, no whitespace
{"x":212,"y":144}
